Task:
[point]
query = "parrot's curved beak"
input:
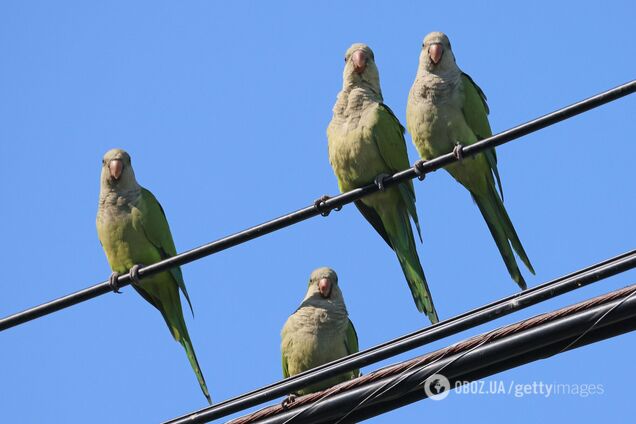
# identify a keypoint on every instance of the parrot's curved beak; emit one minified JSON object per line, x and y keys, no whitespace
{"x":359,"y":59}
{"x":435,"y":52}
{"x":324,"y":287}
{"x":115,"y":167}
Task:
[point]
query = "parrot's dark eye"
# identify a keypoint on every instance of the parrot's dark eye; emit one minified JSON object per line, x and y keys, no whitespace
{"x":345,"y":60}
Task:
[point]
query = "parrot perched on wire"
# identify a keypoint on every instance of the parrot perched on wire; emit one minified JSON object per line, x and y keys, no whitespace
{"x":446,"y":110}
{"x":319,"y":332}
{"x":366,"y":143}
{"x":133,"y":230}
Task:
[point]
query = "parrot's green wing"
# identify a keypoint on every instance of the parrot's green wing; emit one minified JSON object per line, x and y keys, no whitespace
{"x":388,"y":135}
{"x":157,"y":231}
{"x":351,"y":343}
{"x":476,"y":114}
{"x":352,"y":339}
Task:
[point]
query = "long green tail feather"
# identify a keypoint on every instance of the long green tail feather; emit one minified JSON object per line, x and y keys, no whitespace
{"x":503,"y":232}
{"x":403,"y":243}
{"x":409,"y":199}
{"x":512,"y":234}
{"x":179,"y":331}
{"x":187,"y":345}
{"x":398,"y":234}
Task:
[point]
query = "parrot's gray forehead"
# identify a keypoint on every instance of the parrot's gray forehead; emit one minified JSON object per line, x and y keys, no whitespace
{"x":116,"y":154}
{"x":437,"y":37}
{"x":359,"y":46}
{"x":324,"y":272}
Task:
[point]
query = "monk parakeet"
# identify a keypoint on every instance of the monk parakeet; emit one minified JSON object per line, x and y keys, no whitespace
{"x":133,"y":230}
{"x":319,"y":332}
{"x":366,"y":142}
{"x":447,"y":110}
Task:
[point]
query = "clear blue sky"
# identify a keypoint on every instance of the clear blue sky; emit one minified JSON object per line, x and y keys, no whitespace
{"x":223,"y":107}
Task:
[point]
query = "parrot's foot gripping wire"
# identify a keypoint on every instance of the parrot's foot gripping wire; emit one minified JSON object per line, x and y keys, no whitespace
{"x":291,"y":398}
{"x":419,"y":169}
{"x":319,"y":204}
{"x":379,"y":181}
{"x":113,"y":283}
{"x":134,"y":273}
{"x":458,"y":151}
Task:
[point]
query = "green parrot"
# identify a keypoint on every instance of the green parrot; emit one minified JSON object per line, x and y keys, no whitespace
{"x":447,"y":110}
{"x":366,"y":142}
{"x":319,"y":332}
{"x":133,"y":230}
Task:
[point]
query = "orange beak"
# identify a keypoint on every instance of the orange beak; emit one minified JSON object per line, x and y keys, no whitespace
{"x":435,"y":52}
{"x":359,"y":59}
{"x":115,"y":166}
{"x":324,"y":287}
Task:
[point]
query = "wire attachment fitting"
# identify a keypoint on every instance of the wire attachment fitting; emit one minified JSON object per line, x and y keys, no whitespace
{"x":419,"y":169}
{"x":319,"y":204}
{"x":291,"y":398}
{"x":379,"y":181}
{"x":134,"y":273}
{"x":113,"y":282}
{"x":458,"y":151}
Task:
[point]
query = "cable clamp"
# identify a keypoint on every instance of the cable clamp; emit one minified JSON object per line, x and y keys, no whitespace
{"x":419,"y":169}
{"x":319,"y":204}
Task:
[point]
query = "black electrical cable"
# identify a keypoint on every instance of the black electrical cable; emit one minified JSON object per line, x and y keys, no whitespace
{"x":322,"y":207}
{"x":489,"y":356}
{"x":470,"y":319}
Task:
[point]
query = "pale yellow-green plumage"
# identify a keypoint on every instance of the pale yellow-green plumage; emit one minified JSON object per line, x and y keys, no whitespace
{"x":365,"y":141}
{"x":446,"y":107}
{"x":133,"y":230}
{"x":319,"y":332}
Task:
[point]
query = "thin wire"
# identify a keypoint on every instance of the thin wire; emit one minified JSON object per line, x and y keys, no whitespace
{"x":404,"y":374}
{"x":400,"y":378}
{"x":381,"y":390}
{"x":390,"y":384}
{"x":322,"y":206}
{"x":609,"y":311}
